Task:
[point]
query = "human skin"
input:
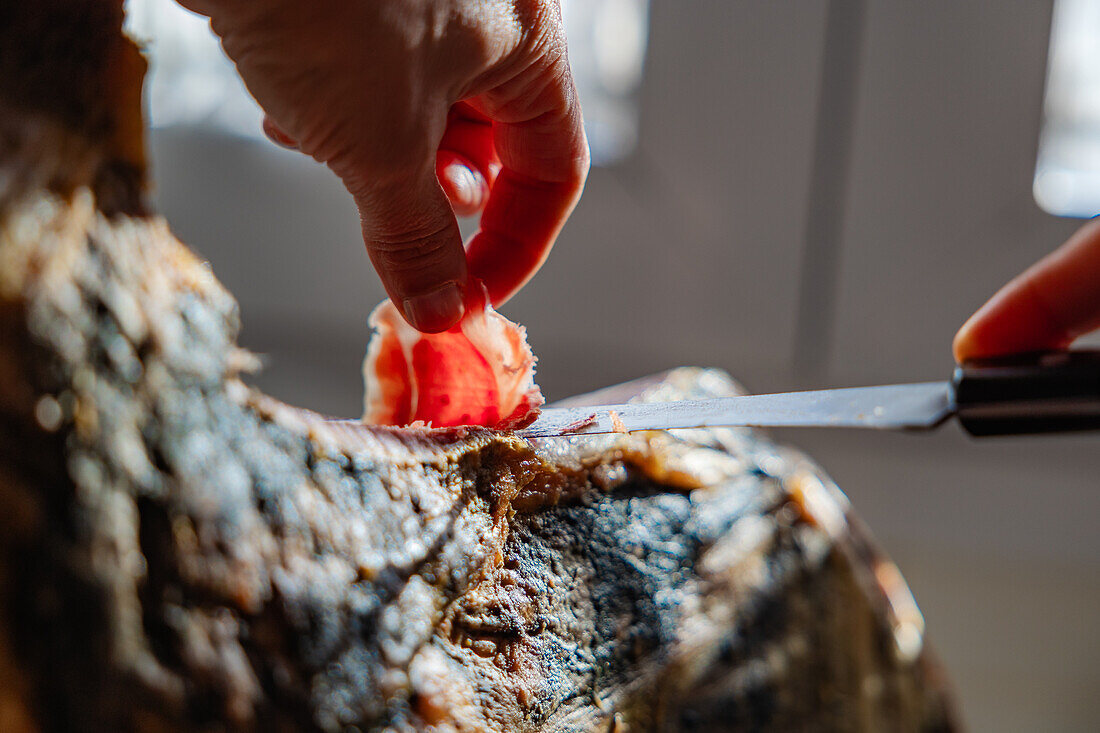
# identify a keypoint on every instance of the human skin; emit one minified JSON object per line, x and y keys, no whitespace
{"x":1047,"y":307}
{"x":424,"y":108}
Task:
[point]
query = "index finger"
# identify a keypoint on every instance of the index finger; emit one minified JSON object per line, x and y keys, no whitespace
{"x":539,"y":136}
{"x":1048,"y":306}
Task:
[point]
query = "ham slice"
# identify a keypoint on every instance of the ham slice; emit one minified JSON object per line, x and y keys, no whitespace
{"x":481,"y":372}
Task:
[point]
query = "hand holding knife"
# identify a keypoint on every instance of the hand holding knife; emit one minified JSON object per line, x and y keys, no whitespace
{"x":1052,"y":303}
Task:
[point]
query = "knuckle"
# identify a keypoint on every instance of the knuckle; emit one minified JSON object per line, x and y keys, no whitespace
{"x":411,"y":251}
{"x":544,"y":87}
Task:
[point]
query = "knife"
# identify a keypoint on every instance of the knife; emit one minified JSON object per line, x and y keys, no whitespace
{"x":1039,"y":392}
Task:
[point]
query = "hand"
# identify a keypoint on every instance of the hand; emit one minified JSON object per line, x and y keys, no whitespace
{"x":1047,"y":307}
{"x":410,"y":103}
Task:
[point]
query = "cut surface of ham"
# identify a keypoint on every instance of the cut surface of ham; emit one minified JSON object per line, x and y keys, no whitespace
{"x":480,"y":372}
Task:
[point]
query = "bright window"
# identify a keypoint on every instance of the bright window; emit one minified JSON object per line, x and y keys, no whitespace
{"x":1067,"y":173}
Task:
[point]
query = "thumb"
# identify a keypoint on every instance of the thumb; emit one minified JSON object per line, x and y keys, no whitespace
{"x":414,"y":243}
{"x":1048,"y":306}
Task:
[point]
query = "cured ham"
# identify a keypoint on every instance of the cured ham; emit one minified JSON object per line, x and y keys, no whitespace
{"x":480,"y":372}
{"x":181,"y":553}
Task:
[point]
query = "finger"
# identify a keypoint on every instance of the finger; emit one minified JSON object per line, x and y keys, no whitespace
{"x":413,"y":241}
{"x":1048,"y":306}
{"x":463,"y":183}
{"x":467,"y":162}
{"x":470,"y":135}
{"x":539,"y":137}
{"x":276,"y":135}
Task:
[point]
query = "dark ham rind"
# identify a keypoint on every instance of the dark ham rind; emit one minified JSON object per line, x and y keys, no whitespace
{"x":481,"y":372}
{"x":179,"y":552}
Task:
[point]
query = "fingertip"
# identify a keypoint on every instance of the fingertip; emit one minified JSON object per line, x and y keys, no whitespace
{"x":962,"y":346}
{"x":1014,"y":321}
{"x":414,"y":243}
{"x":276,"y":135}
{"x":466,"y":187}
{"x":436,"y":310}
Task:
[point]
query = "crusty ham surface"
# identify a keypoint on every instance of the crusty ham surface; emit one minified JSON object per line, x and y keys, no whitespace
{"x":480,"y":372}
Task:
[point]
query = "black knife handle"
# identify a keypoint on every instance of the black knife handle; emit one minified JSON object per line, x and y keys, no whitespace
{"x":1039,"y":392}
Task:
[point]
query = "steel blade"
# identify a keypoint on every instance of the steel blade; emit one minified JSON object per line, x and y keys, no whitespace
{"x":889,"y":407}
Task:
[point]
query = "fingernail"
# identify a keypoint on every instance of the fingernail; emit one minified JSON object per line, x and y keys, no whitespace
{"x":466,"y":183}
{"x":436,"y":310}
{"x":276,"y":135}
{"x":466,"y":188}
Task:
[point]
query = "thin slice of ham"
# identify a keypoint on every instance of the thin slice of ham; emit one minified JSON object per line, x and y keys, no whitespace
{"x":481,"y":372}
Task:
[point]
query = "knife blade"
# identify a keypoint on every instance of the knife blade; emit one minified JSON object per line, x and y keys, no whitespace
{"x":1049,"y":391}
{"x":888,"y":407}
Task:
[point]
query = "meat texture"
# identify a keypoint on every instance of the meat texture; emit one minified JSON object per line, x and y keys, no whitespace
{"x":179,"y":552}
{"x":480,"y":372}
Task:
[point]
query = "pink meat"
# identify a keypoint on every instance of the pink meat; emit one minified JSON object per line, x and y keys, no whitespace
{"x":481,"y":372}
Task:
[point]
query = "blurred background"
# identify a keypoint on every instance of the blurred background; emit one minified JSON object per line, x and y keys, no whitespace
{"x":806,"y":193}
